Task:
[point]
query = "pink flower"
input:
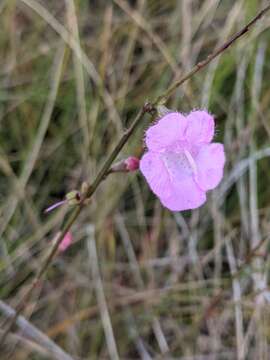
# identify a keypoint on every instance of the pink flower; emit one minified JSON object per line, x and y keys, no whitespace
{"x":66,"y":242}
{"x":181,"y":163}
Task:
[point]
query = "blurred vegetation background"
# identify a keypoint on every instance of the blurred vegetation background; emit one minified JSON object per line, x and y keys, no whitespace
{"x":139,"y":282}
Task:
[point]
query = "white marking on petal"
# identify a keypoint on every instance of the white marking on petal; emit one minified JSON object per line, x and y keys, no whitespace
{"x":191,"y":162}
{"x":177,"y":165}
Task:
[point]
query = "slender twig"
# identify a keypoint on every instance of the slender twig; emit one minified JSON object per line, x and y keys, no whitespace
{"x":149,"y":108}
{"x":164,"y":97}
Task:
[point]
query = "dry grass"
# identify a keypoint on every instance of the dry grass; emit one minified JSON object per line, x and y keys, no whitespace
{"x":139,"y":281}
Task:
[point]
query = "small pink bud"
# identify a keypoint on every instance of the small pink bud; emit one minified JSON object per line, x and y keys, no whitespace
{"x":66,"y":242}
{"x":127,"y":165}
{"x":132,"y":163}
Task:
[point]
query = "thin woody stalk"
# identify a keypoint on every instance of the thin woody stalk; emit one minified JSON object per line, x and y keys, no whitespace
{"x":147,"y":108}
{"x":163,"y":98}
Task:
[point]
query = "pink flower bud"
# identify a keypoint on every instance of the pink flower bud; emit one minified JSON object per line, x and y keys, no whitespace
{"x":66,"y":242}
{"x":127,"y":165}
{"x":132,"y":163}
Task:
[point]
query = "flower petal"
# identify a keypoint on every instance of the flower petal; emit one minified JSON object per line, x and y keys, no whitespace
{"x":156,"y":174}
{"x":200,"y":128}
{"x":186,"y":195}
{"x":172,"y":180}
{"x":210,"y":163}
{"x":168,"y":130}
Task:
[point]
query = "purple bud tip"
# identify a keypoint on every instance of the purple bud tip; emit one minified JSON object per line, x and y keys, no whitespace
{"x":54,"y":206}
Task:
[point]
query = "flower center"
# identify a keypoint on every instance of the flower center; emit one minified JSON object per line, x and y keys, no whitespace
{"x":191,"y":162}
{"x":179,"y":164}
